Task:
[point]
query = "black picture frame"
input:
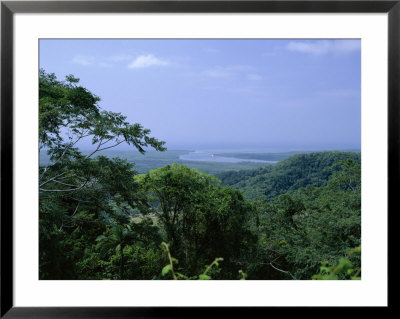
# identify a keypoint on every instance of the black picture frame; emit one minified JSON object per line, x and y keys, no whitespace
{"x":9,"y":8}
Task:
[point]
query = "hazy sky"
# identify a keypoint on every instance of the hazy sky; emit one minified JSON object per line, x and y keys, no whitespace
{"x":247,"y":94}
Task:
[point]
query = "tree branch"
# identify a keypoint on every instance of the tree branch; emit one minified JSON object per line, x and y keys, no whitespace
{"x":284,"y":271}
{"x":69,"y":146}
{"x":51,"y":179}
{"x":64,"y":190}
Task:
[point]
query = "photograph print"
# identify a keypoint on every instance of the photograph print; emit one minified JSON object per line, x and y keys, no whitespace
{"x":199,"y":159}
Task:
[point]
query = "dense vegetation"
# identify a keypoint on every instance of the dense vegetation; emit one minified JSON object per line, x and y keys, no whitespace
{"x":298,"y":171}
{"x":100,"y":219}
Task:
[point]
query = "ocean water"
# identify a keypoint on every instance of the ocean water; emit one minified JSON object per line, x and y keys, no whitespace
{"x":204,"y":156}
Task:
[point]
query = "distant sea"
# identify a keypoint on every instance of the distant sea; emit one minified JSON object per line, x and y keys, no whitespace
{"x":205,"y":156}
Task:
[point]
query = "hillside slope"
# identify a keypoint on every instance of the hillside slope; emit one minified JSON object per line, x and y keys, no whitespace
{"x":300,"y":170}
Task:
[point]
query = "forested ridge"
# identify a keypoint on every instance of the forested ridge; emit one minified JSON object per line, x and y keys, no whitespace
{"x":300,"y":170}
{"x":100,"y":219}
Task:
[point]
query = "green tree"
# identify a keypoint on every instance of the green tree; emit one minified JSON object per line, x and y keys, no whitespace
{"x":295,"y":172}
{"x":300,"y":230}
{"x":79,"y":193}
{"x":177,"y":190}
{"x":117,"y":239}
{"x":201,"y":219}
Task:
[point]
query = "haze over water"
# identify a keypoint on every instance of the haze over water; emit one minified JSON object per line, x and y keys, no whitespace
{"x":211,"y":157}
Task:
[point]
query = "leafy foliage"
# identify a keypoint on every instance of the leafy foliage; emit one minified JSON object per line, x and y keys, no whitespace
{"x":345,"y":269}
{"x":169,"y":269}
{"x":99,"y":219}
{"x":196,"y":213}
{"x":79,"y":195}
{"x":300,"y":230}
{"x":300,"y":170}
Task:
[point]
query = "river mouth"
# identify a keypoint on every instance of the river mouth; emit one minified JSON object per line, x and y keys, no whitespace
{"x":211,"y":157}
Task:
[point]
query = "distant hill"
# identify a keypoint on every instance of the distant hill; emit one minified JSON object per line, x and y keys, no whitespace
{"x":263,"y":156}
{"x":300,"y":170}
{"x":153,"y":160}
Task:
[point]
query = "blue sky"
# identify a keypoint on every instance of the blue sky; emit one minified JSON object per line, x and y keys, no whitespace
{"x":228,"y":94}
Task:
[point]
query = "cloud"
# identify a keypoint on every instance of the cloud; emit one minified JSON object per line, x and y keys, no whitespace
{"x":320,"y":47}
{"x":90,"y":61}
{"x":254,"y":77}
{"x":83,"y":60}
{"x":104,"y":64}
{"x":145,"y":61}
{"x":102,"y":61}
